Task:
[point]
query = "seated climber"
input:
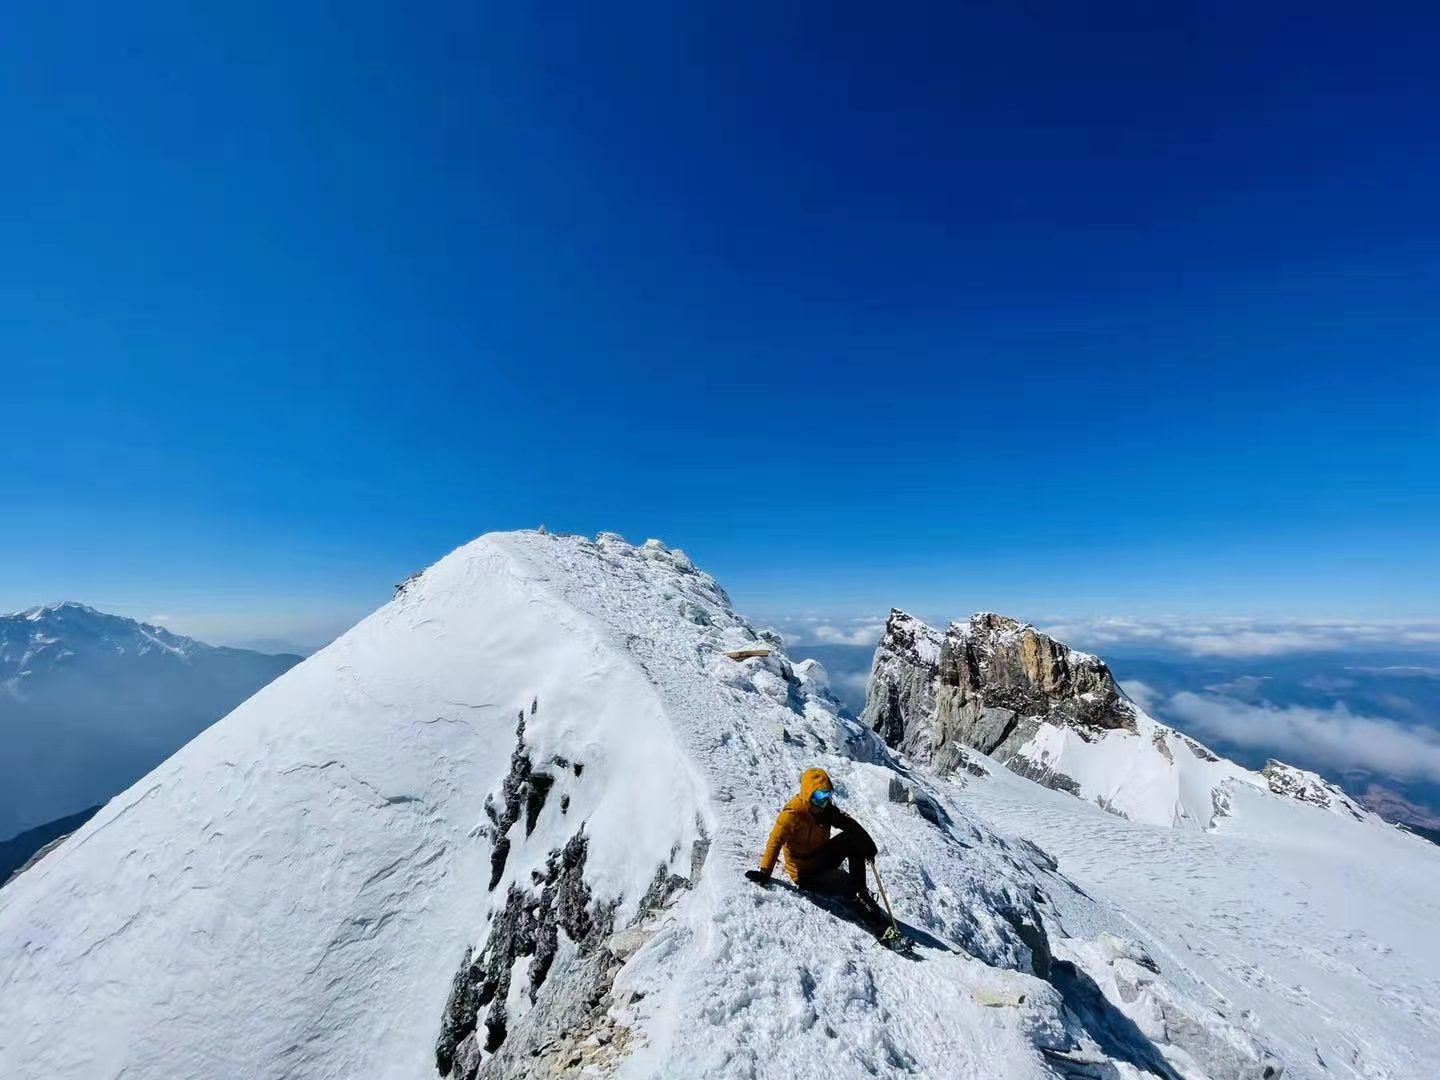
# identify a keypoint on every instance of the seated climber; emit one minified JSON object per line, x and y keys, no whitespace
{"x":812,"y":856}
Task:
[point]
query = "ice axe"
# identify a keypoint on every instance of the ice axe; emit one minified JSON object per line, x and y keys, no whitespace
{"x":891,"y":937}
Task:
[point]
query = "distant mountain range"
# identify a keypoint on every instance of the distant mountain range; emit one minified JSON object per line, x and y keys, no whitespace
{"x":277,"y":646}
{"x":19,"y":850}
{"x":89,"y":702}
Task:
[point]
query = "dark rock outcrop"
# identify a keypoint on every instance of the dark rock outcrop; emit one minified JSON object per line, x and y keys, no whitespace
{"x":1307,"y":787}
{"x":525,"y":789}
{"x":987,"y":684}
{"x":567,"y":996}
{"x":528,"y":926}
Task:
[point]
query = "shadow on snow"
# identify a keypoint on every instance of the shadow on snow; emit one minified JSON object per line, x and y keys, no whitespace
{"x":1116,"y":1035}
{"x":846,"y":910}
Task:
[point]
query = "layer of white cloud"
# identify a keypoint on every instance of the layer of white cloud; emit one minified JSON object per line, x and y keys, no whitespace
{"x":852,"y":682}
{"x":829,"y":630}
{"x":1229,"y":638}
{"x":864,"y":634}
{"x":1143,"y":695}
{"x":1237,"y":638}
{"x":1326,"y":738}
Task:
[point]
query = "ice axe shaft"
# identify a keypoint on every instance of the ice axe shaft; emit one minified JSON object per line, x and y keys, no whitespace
{"x":880,"y":886}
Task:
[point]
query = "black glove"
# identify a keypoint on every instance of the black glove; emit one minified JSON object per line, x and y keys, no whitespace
{"x":759,"y":877}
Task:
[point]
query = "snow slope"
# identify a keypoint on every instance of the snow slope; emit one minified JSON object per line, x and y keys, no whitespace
{"x":1317,"y":928}
{"x":498,"y":829}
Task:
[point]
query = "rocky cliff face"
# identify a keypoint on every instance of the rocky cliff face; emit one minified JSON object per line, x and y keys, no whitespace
{"x":987,"y":684}
{"x":998,"y":681}
{"x":902,"y":684}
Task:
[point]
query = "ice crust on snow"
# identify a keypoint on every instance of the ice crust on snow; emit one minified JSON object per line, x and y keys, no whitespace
{"x":300,"y":891}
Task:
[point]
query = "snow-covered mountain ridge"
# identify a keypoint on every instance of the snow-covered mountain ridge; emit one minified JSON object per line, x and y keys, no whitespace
{"x":42,"y":638}
{"x":498,"y":830}
{"x":1056,"y":715}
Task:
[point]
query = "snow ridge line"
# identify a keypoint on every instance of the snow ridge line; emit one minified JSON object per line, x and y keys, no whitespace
{"x":602,"y":632}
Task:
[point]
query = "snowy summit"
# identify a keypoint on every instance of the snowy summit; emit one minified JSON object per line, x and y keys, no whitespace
{"x":499,"y":829}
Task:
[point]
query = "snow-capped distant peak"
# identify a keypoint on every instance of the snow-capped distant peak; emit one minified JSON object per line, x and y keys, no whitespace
{"x":82,"y":619}
{"x":91,"y":700}
{"x":68,"y":634}
{"x":60,"y":607}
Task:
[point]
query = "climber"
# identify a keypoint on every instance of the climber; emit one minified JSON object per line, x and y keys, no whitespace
{"x":812,"y":856}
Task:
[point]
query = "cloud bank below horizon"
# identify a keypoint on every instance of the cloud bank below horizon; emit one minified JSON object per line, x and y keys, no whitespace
{"x":1231,"y":637}
{"x":1237,"y":638}
{"x":1320,"y":738}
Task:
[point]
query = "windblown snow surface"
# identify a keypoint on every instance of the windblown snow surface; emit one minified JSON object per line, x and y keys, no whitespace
{"x":1313,"y":927}
{"x":543,"y":734}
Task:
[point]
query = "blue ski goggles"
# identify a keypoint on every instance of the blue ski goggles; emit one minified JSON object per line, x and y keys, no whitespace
{"x":822,"y":799}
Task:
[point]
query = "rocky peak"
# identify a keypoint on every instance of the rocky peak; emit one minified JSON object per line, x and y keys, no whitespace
{"x":986,"y":683}
{"x":908,"y":637}
{"x":901,"y":690}
{"x":999,"y":665}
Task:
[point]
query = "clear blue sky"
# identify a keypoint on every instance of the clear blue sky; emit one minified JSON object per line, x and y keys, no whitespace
{"x":1056,"y":310}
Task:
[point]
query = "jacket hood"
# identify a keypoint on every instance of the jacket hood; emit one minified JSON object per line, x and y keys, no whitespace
{"x":813,"y":780}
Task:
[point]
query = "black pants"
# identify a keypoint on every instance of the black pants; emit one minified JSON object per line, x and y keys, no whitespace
{"x":822,"y":875}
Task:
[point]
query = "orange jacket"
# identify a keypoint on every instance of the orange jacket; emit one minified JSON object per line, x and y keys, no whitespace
{"x":799,"y":831}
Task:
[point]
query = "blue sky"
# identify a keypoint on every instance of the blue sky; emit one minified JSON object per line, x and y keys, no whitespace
{"x":1050,"y":312}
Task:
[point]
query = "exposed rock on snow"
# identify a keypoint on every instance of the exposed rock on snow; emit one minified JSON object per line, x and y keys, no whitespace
{"x":1309,"y":787}
{"x":528,"y":928}
{"x":988,"y":684}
